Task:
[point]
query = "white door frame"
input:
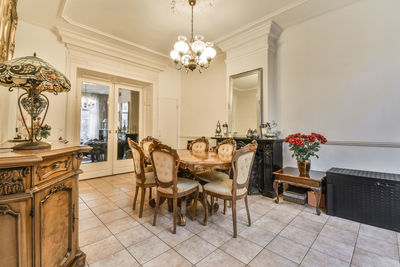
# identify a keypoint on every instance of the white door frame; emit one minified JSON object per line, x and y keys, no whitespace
{"x":122,"y":166}
{"x":103,"y":168}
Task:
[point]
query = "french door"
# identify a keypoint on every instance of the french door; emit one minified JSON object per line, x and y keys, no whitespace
{"x":110,"y":114}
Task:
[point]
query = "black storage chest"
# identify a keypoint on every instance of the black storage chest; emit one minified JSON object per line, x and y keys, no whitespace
{"x":363,"y":196}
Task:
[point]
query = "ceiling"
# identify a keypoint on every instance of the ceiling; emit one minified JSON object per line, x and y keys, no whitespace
{"x":152,"y":23}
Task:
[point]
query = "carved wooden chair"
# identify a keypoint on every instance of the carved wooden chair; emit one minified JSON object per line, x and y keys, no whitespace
{"x":236,"y":188}
{"x":165,"y":161}
{"x":199,"y":145}
{"x":144,"y":175}
{"x":145,"y":144}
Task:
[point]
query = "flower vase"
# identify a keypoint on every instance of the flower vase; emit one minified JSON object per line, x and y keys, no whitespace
{"x":304,"y":167}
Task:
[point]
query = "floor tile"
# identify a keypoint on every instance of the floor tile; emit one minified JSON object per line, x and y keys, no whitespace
{"x":120,"y":259}
{"x":148,"y":249}
{"x":257,"y":235}
{"x":170,"y":258}
{"x":379,"y":247}
{"x":378,"y":233}
{"x":93,"y":235}
{"x":269,"y":224}
{"x":195,"y":249}
{"x":307,"y":224}
{"x":227,"y":224}
{"x":241,"y":249}
{"x":282,"y":215}
{"x":215,"y":235}
{"x":89,"y":223}
{"x":287,"y":248}
{"x":268,"y":258}
{"x":121,"y":225}
{"x":314,"y":258}
{"x":365,"y":258}
{"x":134,"y":235}
{"x":104,"y":208}
{"x":220,"y":259}
{"x":298,"y":235}
{"x":84,"y":214}
{"x":340,"y":235}
{"x":195,"y":226}
{"x":174,"y":239}
{"x":343,"y":224}
{"x":333,"y":248}
{"x":322,"y":218}
{"x":112,"y":216}
{"x":163,"y":223}
{"x":102,"y":249}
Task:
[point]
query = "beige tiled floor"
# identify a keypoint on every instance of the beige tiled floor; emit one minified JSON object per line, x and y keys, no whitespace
{"x":111,"y":234}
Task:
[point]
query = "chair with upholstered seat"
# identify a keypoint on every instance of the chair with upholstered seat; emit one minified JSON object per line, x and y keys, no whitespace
{"x":144,"y":175}
{"x":165,"y":161}
{"x":145,"y":144}
{"x":236,"y":188}
{"x":199,"y":145}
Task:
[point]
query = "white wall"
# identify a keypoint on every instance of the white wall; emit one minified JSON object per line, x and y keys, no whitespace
{"x":338,"y":74}
{"x":203,"y":101}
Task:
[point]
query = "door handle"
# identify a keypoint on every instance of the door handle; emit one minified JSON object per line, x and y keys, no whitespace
{"x":109,"y":131}
{"x":116,"y":131}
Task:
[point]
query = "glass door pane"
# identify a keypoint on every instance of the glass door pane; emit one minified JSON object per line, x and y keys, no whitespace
{"x":128,"y":107}
{"x":94,"y":121}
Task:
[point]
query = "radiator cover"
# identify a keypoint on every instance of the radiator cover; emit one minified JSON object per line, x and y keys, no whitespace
{"x":368,"y":197}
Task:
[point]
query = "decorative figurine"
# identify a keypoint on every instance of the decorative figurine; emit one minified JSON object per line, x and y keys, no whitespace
{"x":225,"y":127}
{"x":218,"y":130}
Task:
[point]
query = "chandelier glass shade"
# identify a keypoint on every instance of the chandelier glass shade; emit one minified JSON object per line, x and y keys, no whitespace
{"x":195,"y":54}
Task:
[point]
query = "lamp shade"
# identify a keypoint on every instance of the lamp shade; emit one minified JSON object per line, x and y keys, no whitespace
{"x":25,"y":72}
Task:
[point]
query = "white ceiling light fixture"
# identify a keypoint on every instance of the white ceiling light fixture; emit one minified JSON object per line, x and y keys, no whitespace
{"x":196,"y":54}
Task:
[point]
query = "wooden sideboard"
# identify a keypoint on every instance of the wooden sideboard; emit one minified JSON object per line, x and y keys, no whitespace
{"x":39,"y":205}
{"x":268,"y":159}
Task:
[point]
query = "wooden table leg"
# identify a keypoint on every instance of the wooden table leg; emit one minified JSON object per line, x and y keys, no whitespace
{"x":276,"y":188}
{"x":317,"y":193}
{"x":183,"y":212}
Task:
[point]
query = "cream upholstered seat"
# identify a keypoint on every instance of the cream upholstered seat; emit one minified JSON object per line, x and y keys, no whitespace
{"x":226,"y":149}
{"x":236,"y":188}
{"x":182,"y":186}
{"x":223,"y":188}
{"x":165,"y":163}
{"x":144,"y":175}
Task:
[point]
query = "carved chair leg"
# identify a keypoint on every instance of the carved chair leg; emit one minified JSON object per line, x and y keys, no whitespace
{"x":224,"y":206}
{"x":142,"y":201}
{"x":247,"y":210}
{"x":205,"y":204}
{"x":234,"y":218}
{"x":194,"y":208}
{"x":150,"y":192}
{"x":156,"y":209}
{"x":135,"y":198}
{"x":175,"y":208}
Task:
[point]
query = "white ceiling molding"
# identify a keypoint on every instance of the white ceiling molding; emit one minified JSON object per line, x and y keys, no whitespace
{"x":130,"y":53}
{"x":65,"y":5}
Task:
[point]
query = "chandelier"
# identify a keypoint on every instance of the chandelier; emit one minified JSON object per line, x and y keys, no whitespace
{"x":195,"y":54}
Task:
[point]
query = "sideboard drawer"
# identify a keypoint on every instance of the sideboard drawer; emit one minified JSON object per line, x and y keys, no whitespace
{"x":51,"y":168}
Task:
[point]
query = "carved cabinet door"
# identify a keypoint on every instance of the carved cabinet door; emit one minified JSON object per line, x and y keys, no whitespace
{"x":55,"y":229}
{"x":16,"y":241}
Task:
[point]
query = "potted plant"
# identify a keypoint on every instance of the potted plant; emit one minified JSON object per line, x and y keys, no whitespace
{"x":304,"y":147}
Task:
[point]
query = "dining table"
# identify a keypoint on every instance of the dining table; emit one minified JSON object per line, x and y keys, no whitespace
{"x":197,"y":161}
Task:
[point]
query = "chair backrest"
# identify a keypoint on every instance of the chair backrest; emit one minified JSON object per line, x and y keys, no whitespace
{"x":226,"y":147}
{"x":242,"y":165}
{"x":146,"y":142}
{"x":199,"y":145}
{"x":138,"y":159}
{"x":165,"y":161}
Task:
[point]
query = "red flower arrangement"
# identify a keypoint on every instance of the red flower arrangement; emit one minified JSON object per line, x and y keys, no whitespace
{"x":305,"y":146}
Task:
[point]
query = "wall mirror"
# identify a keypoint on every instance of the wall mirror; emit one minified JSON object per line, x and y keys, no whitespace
{"x":245,"y":101}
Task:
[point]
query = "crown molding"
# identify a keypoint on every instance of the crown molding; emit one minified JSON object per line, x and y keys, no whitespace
{"x":265,"y":33}
{"x":123,"y":51}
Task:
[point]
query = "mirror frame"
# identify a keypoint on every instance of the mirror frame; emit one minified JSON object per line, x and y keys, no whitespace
{"x":260,"y":84}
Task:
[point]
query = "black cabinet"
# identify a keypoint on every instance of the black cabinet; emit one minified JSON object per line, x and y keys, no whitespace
{"x":268,"y":159}
{"x":363,"y":196}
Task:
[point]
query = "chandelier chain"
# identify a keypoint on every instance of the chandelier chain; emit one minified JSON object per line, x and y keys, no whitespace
{"x":192,"y":25}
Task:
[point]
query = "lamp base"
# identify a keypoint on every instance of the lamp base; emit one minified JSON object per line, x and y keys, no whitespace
{"x":32,"y":146}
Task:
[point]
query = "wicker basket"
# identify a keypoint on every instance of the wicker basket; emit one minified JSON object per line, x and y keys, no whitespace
{"x":296,"y":195}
